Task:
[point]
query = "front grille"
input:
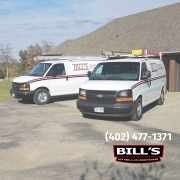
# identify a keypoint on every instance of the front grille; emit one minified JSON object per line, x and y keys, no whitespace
{"x":107,"y":97}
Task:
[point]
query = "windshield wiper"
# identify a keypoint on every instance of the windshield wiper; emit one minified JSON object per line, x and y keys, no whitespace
{"x":96,"y":78}
{"x":114,"y":78}
{"x":34,"y":75}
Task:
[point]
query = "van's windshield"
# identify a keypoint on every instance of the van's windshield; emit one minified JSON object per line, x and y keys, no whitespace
{"x":40,"y":69}
{"x":116,"y":71}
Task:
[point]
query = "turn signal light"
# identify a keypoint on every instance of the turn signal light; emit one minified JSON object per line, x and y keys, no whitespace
{"x":124,"y":99}
{"x":24,"y":89}
{"x":83,"y":98}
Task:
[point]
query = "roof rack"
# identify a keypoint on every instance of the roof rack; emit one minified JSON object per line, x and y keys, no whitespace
{"x":134,"y":53}
{"x":116,"y":54}
{"x":146,"y":53}
{"x":70,"y":58}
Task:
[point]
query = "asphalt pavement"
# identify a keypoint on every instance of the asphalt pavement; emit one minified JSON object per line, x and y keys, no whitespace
{"x":55,"y":142}
{"x":165,"y":117}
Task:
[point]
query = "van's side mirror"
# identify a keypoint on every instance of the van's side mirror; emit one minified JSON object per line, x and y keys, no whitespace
{"x":89,"y":74}
{"x":146,"y":75}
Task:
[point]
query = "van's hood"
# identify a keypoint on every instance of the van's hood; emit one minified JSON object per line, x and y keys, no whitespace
{"x":107,"y":85}
{"x":23,"y":79}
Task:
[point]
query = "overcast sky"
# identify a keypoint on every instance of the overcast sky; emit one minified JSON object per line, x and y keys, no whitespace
{"x":27,"y":22}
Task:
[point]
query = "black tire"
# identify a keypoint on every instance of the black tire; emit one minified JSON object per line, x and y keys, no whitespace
{"x":138,"y":110}
{"x":161,"y":98}
{"x":41,"y":96}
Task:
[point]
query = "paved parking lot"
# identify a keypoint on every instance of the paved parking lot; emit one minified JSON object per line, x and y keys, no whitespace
{"x":54,"y":141}
{"x":164,"y":117}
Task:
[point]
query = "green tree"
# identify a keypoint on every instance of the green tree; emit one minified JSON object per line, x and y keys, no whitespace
{"x":23,"y":62}
{"x":1,"y":74}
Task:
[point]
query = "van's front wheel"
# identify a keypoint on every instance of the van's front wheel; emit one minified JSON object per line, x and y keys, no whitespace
{"x":41,"y":96}
{"x":138,"y":110}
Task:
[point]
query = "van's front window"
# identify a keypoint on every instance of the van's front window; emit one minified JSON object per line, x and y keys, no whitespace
{"x":40,"y":69}
{"x":116,"y":71}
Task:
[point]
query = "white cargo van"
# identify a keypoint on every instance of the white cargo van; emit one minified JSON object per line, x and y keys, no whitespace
{"x":53,"y":78}
{"x":122,"y":87}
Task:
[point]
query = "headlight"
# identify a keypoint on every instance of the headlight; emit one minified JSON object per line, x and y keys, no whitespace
{"x":82,"y":94}
{"x":124,"y":96}
{"x":24,"y":87}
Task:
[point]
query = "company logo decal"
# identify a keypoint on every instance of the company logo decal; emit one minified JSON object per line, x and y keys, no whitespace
{"x":138,"y":153}
{"x":81,"y":66}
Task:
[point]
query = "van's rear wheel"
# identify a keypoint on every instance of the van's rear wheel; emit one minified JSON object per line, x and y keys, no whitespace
{"x":41,"y":96}
{"x":161,"y":98}
{"x":138,"y":110}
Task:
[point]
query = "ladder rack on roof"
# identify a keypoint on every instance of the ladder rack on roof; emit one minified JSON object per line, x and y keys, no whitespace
{"x":71,"y":58}
{"x":146,"y":53}
{"x":116,"y":54}
{"x":134,"y":53}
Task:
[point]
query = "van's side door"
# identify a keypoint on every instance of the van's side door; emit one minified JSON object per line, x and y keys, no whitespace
{"x":156,"y":84}
{"x":57,"y":78}
{"x":146,"y":85}
{"x":77,"y":74}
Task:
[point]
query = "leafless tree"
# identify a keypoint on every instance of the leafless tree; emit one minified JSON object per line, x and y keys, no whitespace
{"x":37,"y":50}
{"x":5,"y":57}
{"x":46,"y":46}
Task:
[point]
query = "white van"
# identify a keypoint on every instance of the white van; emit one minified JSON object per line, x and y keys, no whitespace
{"x":122,"y":87}
{"x":53,"y":78}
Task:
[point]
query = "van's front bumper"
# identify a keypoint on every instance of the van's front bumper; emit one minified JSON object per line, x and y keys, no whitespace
{"x":110,"y":110}
{"x":21,"y":94}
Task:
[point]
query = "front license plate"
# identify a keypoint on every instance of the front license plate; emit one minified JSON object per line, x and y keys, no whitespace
{"x":99,"y":109}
